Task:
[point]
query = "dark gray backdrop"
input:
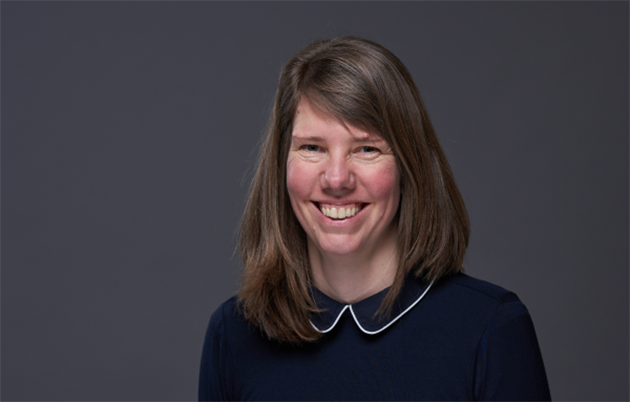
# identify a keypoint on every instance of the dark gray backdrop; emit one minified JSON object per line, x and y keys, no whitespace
{"x":130,"y":129}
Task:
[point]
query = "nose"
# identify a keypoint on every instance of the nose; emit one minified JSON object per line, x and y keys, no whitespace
{"x":338,"y":177}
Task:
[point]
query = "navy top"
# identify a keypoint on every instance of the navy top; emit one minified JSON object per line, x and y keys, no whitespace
{"x":458,"y":339}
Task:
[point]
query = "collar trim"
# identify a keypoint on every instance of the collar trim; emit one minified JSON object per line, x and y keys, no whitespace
{"x":356,"y":320}
{"x":347,"y":306}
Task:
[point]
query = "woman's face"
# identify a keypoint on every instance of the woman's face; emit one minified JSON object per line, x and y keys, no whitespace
{"x":343,"y":183}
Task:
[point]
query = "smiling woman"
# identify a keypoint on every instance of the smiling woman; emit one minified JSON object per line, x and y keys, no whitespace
{"x":353,"y":241}
{"x":345,"y":194}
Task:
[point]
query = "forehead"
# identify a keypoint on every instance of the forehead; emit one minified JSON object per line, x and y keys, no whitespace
{"x":310,"y":122}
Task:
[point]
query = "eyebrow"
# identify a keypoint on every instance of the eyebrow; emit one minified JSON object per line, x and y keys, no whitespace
{"x":369,"y":139}
{"x":309,"y":138}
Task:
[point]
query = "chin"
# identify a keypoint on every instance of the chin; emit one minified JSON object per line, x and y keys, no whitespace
{"x":337,"y":246}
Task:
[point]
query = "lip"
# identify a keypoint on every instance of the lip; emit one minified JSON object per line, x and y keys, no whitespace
{"x":339,"y":222}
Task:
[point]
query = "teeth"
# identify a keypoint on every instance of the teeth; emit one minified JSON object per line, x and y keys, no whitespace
{"x":340,"y":212}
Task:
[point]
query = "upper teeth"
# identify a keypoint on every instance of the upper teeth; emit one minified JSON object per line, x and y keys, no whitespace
{"x":340,"y":212}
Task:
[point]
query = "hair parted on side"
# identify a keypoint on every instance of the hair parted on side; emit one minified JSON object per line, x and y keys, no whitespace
{"x":362,"y":84}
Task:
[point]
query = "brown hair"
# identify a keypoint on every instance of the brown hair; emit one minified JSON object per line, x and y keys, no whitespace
{"x":363,"y":84}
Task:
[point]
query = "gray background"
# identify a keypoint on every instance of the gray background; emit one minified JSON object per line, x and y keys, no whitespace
{"x":130,"y":129}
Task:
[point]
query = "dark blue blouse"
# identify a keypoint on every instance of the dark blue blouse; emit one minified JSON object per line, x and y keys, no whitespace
{"x":458,"y":339}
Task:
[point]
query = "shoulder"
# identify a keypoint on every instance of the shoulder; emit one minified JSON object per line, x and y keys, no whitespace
{"x":462,"y":284}
{"x":228,"y":310}
{"x":507,"y":362}
{"x":470,"y":300}
{"x":217,"y":360}
{"x":216,"y":326}
{"x":228,"y":324}
{"x":226,"y":318}
{"x":475,"y":293}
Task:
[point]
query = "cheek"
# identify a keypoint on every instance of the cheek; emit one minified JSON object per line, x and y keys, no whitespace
{"x":299,"y":187}
{"x":298,"y":182}
{"x":384,"y":185}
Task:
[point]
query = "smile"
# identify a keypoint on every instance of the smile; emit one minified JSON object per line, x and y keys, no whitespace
{"x":340,"y":211}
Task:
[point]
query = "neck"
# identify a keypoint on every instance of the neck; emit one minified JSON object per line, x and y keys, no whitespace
{"x":351,"y":278}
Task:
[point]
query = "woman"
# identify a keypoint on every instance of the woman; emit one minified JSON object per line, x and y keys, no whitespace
{"x":353,"y":241}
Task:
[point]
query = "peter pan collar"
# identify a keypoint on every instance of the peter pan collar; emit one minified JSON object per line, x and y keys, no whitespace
{"x":363,"y":311}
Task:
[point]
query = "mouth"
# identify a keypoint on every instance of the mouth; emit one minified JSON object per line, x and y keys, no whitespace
{"x":339,"y":212}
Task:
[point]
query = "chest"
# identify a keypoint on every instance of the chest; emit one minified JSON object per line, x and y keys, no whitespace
{"x":406,"y":362}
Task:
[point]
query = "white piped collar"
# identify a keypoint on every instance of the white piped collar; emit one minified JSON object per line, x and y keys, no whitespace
{"x":363,"y":312}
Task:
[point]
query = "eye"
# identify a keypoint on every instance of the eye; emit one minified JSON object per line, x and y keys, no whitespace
{"x":311,"y":148}
{"x":367,"y":149}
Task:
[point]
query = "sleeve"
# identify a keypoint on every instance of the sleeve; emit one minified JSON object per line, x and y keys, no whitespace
{"x":214,"y":361}
{"x":509,"y":365}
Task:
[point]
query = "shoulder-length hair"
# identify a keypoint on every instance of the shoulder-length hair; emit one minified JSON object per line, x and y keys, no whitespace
{"x":362,"y":84}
